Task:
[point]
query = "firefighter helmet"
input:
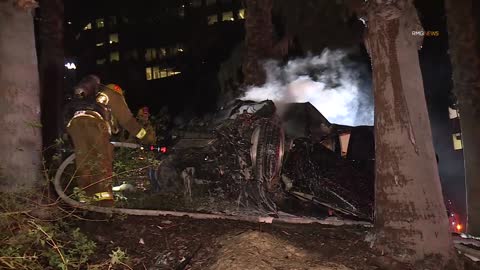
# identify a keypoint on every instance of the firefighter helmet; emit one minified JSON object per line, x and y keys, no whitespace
{"x":87,"y":87}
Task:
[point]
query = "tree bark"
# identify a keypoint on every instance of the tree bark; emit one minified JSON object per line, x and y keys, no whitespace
{"x":20,"y":139}
{"x":465,"y":59}
{"x":51,"y":67}
{"x":410,"y":215}
{"x":258,"y":40}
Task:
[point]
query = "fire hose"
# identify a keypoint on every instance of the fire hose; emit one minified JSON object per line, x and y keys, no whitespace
{"x":146,"y":212}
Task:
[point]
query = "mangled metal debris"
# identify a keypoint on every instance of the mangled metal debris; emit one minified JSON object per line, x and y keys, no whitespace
{"x":265,"y":158}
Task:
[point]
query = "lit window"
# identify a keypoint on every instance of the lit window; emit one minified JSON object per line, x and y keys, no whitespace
{"x":453,"y":113}
{"x":114,"y":56}
{"x":227,"y":16}
{"x":101,"y":61}
{"x":163,"y":73}
{"x":88,"y":26}
{"x":113,"y":20}
{"x":156,"y":72}
{"x":241,"y":14}
{"x":100,"y":23}
{"x":457,"y":141}
{"x":150,"y":54}
{"x":148,"y":73}
{"x":212,"y":19}
{"x":196,"y":3}
{"x":210,"y":2}
{"x":172,"y":72}
{"x":100,"y":44}
{"x":162,"y":52}
{"x":113,"y":38}
{"x":179,"y":48}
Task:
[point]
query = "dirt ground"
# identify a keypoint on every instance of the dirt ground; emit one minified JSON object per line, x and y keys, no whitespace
{"x":181,"y":243}
{"x":157,"y":243}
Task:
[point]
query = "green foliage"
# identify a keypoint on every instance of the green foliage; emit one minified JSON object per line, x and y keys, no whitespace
{"x":29,"y":243}
{"x":118,"y":256}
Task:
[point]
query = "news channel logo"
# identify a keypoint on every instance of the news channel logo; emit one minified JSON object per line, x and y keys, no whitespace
{"x":426,"y":33}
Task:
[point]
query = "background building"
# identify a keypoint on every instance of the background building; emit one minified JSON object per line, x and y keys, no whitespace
{"x":165,"y":52}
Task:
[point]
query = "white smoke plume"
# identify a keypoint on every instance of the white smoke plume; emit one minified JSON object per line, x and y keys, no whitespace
{"x":338,"y":87}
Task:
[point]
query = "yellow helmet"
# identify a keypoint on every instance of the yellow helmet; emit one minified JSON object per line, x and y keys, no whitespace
{"x":115,"y":88}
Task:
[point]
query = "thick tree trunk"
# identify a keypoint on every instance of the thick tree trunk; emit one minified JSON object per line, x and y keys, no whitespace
{"x":410,"y":215}
{"x":258,"y":40}
{"x":20,"y":139}
{"x":465,"y":58}
{"x":51,"y":67}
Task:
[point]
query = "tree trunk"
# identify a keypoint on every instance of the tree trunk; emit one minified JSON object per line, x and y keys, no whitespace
{"x":51,"y":67}
{"x":465,"y":59}
{"x":410,"y":215}
{"x":258,"y":40}
{"x":20,"y":139}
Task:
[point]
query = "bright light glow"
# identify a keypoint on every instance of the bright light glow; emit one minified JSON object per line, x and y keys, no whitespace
{"x":70,"y":66}
{"x":227,"y":16}
{"x":459,"y":227}
{"x":241,"y":14}
{"x":88,"y":26}
{"x":453,"y":113}
{"x":457,"y":141}
{"x":339,"y":88}
{"x":113,"y":38}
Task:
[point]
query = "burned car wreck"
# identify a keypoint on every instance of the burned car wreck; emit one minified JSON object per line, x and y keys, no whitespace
{"x":267,"y":158}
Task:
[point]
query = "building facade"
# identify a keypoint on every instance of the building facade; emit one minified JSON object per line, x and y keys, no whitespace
{"x":163,"y":53}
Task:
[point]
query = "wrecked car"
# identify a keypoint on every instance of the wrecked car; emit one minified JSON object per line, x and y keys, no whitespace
{"x":272,"y":157}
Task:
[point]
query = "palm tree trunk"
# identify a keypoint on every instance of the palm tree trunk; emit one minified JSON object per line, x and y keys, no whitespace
{"x":258,"y":40}
{"x":410,"y":215}
{"x":51,"y":67}
{"x":465,"y":58}
{"x":21,"y":138}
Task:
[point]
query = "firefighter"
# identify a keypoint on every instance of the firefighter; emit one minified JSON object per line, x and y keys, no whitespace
{"x":98,"y":111}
